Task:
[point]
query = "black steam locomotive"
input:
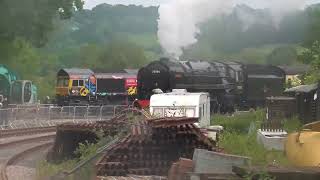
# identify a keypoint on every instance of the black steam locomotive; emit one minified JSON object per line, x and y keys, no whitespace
{"x":230,"y":84}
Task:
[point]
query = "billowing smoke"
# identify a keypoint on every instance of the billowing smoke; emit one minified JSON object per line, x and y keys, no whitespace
{"x":281,"y":8}
{"x":179,"y":20}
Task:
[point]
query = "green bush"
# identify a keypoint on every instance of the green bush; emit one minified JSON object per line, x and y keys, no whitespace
{"x":86,"y":150}
{"x":292,"y":125}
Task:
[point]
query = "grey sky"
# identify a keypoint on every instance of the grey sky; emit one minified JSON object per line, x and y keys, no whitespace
{"x":92,"y":3}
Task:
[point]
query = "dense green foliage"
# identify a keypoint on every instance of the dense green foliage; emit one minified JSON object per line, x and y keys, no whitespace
{"x":25,"y":25}
{"x":311,"y":54}
{"x":38,"y":37}
{"x":282,"y":55}
{"x":239,"y":137}
{"x":224,"y":38}
{"x":313,"y":25}
{"x":33,"y":19}
{"x":106,"y":24}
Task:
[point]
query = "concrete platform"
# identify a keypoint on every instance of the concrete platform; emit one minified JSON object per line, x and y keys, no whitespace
{"x":272,"y":140}
{"x":217,"y":163}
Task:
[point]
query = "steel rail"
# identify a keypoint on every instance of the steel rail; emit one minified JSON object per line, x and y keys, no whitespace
{"x":16,"y":157}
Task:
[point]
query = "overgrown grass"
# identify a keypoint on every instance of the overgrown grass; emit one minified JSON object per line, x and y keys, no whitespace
{"x":45,"y":169}
{"x":239,"y":137}
{"x":240,"y":122}
{"x":247,"y":145}
{"x":84,"y":151}
{"x":292,"y":125}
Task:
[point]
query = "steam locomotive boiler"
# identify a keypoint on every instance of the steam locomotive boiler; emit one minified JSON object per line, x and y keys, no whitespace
{"x":230,"y":84}
{"x":195,"y":76}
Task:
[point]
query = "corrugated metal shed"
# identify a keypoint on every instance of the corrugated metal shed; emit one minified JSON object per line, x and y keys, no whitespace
{"x":308,"y":102}
{"x":294,"y":70}
{"x":302,"y":89}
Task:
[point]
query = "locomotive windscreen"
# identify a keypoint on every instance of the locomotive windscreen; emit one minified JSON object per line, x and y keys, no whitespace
{"x":111,"y":86}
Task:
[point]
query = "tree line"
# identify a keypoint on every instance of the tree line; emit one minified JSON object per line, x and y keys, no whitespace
{"x":38,"y":37}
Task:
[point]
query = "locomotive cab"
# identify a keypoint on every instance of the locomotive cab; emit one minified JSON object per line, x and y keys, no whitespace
{"x":71,"y":86}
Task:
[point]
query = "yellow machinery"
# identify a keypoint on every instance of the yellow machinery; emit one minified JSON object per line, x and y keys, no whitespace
{"x":303,"y":148}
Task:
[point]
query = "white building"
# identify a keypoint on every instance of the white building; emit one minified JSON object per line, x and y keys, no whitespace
{"x":180,"y":103}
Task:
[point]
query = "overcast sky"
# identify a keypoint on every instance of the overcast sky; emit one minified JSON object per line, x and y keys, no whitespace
{"x":92,"y":3}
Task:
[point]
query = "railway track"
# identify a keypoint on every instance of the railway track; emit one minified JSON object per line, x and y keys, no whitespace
{"x":26,"y":131}
{"x":17,"y":150}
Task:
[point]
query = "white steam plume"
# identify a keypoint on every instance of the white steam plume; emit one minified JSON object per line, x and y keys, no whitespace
{"x":179,"y":19}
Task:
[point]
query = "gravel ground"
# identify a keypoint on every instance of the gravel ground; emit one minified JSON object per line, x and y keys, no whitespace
{"x":21,"y":173}
{"x":24,"y":169}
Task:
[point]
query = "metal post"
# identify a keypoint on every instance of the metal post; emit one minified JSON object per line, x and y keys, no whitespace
{"x":37,"y":115}
{"x":15,"y":117}
{"x":69,"y":112}
{"x":74,"y":114}
{"x":100,"y":113}
{"x":49,"y":118}
{"x":61,"y":110}
{"x":87,"y":114}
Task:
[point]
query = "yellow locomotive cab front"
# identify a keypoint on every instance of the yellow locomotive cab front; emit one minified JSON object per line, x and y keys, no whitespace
{"x":62,"y":87}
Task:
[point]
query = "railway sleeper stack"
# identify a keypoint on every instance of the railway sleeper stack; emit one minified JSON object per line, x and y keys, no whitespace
{"x":152,"y":146}
{"x":69,"y":135}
